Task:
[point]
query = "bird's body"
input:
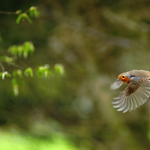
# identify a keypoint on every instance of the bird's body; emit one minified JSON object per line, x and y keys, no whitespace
{"x":136,"y":93}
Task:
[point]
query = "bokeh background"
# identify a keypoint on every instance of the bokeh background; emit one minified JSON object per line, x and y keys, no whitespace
{"x":95,"y":40}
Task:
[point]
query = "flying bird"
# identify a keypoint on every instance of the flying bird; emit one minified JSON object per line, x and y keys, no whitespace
{"x":136,"y":93}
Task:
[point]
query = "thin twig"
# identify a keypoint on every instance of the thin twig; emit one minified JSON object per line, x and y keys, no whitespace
{"x":3,"y":69}
{"x":16,"y":65}
{"x":8,"y":13}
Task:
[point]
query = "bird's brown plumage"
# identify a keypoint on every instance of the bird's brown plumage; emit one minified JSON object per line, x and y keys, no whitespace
{"x":136,"y":93}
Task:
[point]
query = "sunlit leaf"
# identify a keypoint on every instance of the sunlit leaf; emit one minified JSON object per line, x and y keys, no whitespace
{"x":19,"y":18}
{"x":27,"y":17}
{"x":20,"y":50}
{"x":23,"y":16}
{"x":17,"y":73}
{"x":16,"y":90}
{"x":31,"y":47}
{"x":28,"y":72}
{"x":44,"y":71}
{"x":25,"y":54}
{"x":9,"y":59}
{"x":28,"y":47}
{"x":13,"y":50}
{"x":59,"y":68}
{"x":15,"y":86}
{"x":5,"y":74}
{"x":34,"y":12}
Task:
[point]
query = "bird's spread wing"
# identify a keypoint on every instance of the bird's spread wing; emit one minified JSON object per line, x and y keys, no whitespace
{"x":133,"y":96}
{"x":116,"y":85}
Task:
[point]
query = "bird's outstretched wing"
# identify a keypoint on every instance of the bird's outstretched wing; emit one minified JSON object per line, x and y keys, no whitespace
{"x":133,"y":96}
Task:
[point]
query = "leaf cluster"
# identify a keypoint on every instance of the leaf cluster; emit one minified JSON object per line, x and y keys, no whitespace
{"x":31,"y":12}
{"x":23,"y":51}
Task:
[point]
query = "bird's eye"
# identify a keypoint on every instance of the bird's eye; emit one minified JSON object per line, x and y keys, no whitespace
{"x":123,"y":77}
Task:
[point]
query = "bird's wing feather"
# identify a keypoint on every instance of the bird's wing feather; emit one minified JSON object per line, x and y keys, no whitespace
{"x":132,"y":98}
{"x":116,"y":85}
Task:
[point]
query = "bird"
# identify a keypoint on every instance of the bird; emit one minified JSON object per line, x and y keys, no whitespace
{"x":135,"y":94}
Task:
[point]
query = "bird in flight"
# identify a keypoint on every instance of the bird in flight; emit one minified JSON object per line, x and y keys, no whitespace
{"x":136,"y":93}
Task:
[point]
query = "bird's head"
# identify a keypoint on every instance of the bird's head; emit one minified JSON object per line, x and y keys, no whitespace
{"x":124,"y":77}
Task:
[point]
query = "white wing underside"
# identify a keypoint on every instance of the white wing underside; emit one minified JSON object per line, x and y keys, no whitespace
{"x":136,"y":99}
{"x":116,"y":85}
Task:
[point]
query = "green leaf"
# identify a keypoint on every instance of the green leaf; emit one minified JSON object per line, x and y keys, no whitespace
{"x":25,"y":54}
{"x":28,"y":72}
{"x":22,"y":50}
{"x":7,"y":59}
{"x":17,"y":73}
{"x":5,"y":74}
{"x":28,"y":47}
{"x":13,"y":50}
{"x":27,"y":17}
{"x":19,"y":18}
{"x":43,"y":71}
{"x":34,"y":12}
{"x":23,"y":16}
{"x":32,"y":48}
{"x":59,"y":69}
{"x":15,"y":86}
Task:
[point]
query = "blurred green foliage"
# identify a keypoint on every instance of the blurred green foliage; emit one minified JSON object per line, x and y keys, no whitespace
{"x":15,"y":141}
{"x":94,"y":41}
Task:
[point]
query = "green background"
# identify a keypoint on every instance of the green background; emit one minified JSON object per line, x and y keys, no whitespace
{"x":95,"y":40}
